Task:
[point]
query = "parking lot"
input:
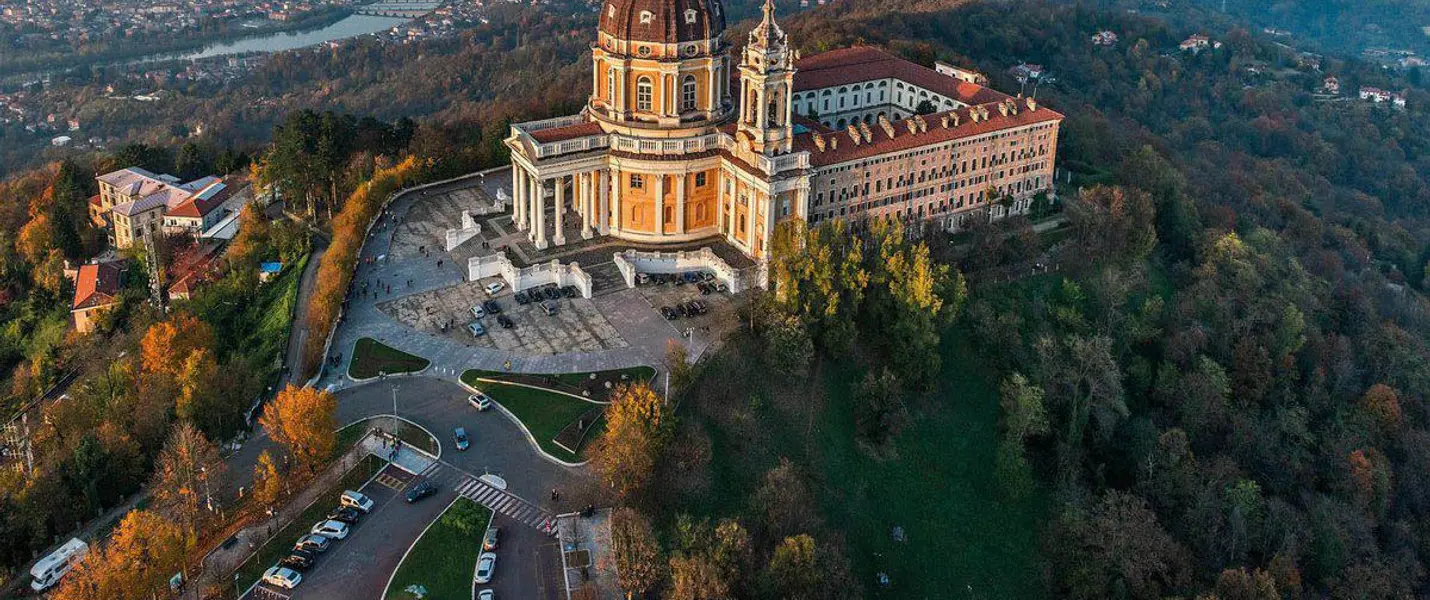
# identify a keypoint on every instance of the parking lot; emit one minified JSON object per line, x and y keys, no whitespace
{"x":720,"y":314}
{"x":577,"y":326}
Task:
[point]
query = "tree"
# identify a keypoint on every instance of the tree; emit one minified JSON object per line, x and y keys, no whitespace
{"x":637,"y":428}
{"x":135,"y":564}
{"x":1023,"y":412}
{"x":187,"y":471}
{"x":694,"y":577}
{"x":303,"y":421}
{"x":677,"y":364}
{"x":636,"y":552}
{"x":925,"y":108}
{"x":879,"y":407}
{"x":793,"y":571}
{"x":788,"y":347}
{"x":268,"y":481}
{"x":167,"y":344}
{"x":1117,"y":548}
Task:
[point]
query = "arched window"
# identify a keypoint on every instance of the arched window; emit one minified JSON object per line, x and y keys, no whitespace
{"x":690,"y":15}
{"x":647,"y":17}
{"x":644,"y":92}
{"x":687,"y":93}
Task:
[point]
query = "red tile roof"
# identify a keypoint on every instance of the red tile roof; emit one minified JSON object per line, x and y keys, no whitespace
{"x":97,"y":285}
{"x":866,"y":63}
{"x":568,"y":132}
{"x":936,"y":133}
{"x":205,"y":200}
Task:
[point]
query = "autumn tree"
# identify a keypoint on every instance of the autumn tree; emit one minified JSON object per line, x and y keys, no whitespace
{"x":167,"y":344}
{"x":303,"y":420}
{"x":793,"y":571}
{"x":637,"y":428}
{"x":1117,"y":546}
{"x":187,"y":471}
{"x":879,"y":410}
{"x":1022,"y":415}
{"x":268,"y":482}
{"x":135,"y":564}
{"x":636,"y":552}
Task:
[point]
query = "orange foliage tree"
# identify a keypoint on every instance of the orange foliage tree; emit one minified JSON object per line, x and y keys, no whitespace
{"x":637,"y":427}
{"x":167,"y":344}
{"x":143,"y":552}
{"x":335,"y":271}
{"x":303,"y":420}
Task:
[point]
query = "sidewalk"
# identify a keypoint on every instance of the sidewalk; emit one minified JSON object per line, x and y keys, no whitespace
{"x":405,"y":457}
{"x":226,"y":559}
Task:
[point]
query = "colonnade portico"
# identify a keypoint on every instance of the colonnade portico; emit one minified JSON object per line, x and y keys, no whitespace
{"x":530,"y":194}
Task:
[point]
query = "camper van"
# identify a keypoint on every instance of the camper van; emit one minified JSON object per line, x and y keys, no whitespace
{"x":48,"y":571}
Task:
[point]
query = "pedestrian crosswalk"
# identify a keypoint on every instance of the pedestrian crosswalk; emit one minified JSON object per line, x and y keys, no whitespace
{"x":500,"y":501}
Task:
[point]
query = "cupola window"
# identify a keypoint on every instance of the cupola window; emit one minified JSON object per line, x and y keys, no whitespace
{"x":647,"y":17}
{"x":611,"y":10}
{"x":644,"y":91}
{"x":690,"y":16}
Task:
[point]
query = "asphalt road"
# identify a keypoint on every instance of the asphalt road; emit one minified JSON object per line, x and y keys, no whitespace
{"x":528,"y":562}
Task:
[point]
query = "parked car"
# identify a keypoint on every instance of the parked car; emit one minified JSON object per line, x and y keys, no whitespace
{"x":701,"y":306}
{"x":422,"y":490}
{"x":486,"y":595}
{"x":356,"y":500}
{"x":669,"y":313}
{"x":298,"y":560}
{"x":494,"y":287}
{"x":460,"y":436}
{"x":552,"y":292}
{"x":570,"y":291}
{"x":704,"y":288}
{"x":681,"y":310}
{"x":677,"y":279}
{"x":492,"y":307}
{"x":642,"y":279}
{"x":549,"y":308}
{"x":478,"y":312}
{"x":476,"y":329}
{"x":282,"y":577}
{"x":505,"y":322}
{"x":721,"y":287}
{"x":479,"y":401}
{"x":330,"y":529}
{"x":521,"y":298}
{"x":690,"y":277}
{"x":486,"y":567}
{"x":344,"y":514}
{"x":491,"y":539}
{"x":312,"y":543}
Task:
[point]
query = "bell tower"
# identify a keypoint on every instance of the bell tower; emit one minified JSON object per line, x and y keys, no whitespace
{"x":767,"y":80}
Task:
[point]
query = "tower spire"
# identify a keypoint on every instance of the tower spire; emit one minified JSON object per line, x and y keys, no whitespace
{"x":767,"y":34}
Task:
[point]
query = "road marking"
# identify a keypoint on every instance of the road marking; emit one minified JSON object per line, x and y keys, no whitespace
{"x":390,"y":481}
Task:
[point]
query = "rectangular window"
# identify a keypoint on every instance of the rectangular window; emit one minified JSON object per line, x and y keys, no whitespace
{"x":699,"y":180}
{"x":637,"y":182}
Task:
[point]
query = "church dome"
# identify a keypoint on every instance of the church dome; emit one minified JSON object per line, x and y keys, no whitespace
{"x":662,"y":21}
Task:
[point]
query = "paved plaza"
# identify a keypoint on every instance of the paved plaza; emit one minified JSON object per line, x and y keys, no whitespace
{"x":577,"y":326}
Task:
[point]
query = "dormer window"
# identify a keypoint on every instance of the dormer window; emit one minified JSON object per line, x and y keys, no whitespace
{"x":647,"y":17}
{"x":690,"y":16}
{"x":611,"y":10}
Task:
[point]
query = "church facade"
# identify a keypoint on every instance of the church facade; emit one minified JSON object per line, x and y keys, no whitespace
{"x":682,"y":139}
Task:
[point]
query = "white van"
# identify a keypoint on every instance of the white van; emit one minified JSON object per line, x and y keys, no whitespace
{"x":356,"y":500}
{"x":48,"y":571}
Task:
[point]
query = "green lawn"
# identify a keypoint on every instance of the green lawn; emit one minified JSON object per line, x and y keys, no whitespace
{"x":444,"y":558}
{"x":937,"y":484}
{"x":413,"y":435}
{"x":637,"y":373}
{"x":543,"y":413}
{"x":372,"y":358}
{"x":267,"y":555}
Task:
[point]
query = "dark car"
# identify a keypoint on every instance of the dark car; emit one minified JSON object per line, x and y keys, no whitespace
{"x":422,"y":490}
{"x":669,"y":313}
{"x":700,"y":306}
{"x":553,"y":293}
{"x":521,"y":298}
{"x":298,"y":560}
{"x":704,"y":288}
{"x":312,"y":543}
{"x":570,"y":291}
{"x":345,"y":515}
{"x":505,"y":322}
{"x":690,"y":277}
{"x":681,"y":310}
{"x":492,"y":307}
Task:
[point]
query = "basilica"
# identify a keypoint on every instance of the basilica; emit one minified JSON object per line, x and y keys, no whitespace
{"x":684,"y":140}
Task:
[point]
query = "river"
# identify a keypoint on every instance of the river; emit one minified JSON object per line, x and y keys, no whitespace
{"x":350,"y":26}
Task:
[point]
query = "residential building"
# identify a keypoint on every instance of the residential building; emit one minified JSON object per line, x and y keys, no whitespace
{"x":1104,"y":38}
{"x":1377,"y":95}
{"x":133,"y":204}
{"x":96,"y":289}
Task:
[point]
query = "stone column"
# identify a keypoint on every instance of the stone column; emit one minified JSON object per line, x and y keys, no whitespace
{"x":750,"y":209}
{"x":560,"y":238}
{"x":534,"y":192}
{"x":541,"y":213}
{"x":603,"y":202}
{"x":518,"y":197}
{"x":680,"y":203}
{"x":588,"y":211}
{"x":659,"y":203}
{"x":617,"y":180}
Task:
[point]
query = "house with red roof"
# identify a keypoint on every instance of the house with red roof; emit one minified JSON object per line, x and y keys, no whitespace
{"x":134,"y":203}
{"x":96,"y":290}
